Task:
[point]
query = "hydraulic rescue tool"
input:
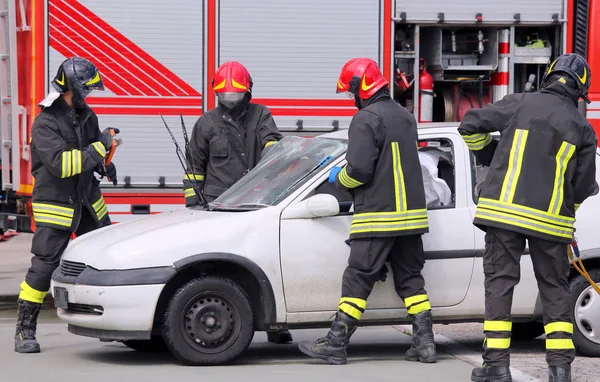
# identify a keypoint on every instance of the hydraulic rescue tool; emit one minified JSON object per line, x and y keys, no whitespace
{"x":116,"y":142}
{"x":187,"y":168}
{"x":573,"y":252}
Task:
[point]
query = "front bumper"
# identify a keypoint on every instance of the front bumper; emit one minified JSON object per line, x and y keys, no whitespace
{"x":113,"y":304}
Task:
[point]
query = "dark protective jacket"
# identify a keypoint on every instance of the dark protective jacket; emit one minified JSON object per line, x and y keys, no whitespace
{"x":542,"y":168}
{"x":225,"y":146}
{"x":63,"y":168}
{"x":383,"y":172}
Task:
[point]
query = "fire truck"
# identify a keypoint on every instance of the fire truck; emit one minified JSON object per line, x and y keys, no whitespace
{"x":158,"y":58}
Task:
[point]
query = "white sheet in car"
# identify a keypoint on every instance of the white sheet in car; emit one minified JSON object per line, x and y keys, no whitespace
{"x":437,"y":191}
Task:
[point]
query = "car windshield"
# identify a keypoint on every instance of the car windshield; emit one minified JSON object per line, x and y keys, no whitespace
{"x":284,"y":168}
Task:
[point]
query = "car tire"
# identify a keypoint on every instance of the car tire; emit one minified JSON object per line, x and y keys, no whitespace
{"x":154,"y":345}
{"x":586,"y":333}
{"x":526,"y":331}
{"x":208,"y":321}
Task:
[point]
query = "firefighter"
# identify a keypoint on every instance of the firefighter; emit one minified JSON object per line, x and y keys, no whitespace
{"x":67,"y":147}
{"x":540,"y":171}
{"x":228,"y":141}
{"x":390,"y":214}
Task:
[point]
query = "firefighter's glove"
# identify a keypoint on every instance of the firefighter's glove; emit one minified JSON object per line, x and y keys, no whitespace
{"x":333,"y":174}
{"x":111,"y":173}
{"x":106,"y":138}
{"x":383,"y":273}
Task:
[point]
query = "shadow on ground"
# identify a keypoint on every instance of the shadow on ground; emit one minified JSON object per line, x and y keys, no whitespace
{"x":259,"y":353}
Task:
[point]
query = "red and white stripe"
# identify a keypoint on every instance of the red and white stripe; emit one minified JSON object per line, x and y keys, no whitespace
{"x":500,"y":76}
{"x":142,"y":85}
{"x":593,"y":110}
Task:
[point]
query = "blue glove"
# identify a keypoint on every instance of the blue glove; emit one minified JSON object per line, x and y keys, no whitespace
{"x":333,"y":173}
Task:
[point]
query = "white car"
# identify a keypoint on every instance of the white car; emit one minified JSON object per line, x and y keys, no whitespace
{"x":270,"y":253}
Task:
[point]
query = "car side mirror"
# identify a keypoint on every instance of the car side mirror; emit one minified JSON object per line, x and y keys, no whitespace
{"x":317,"y":206}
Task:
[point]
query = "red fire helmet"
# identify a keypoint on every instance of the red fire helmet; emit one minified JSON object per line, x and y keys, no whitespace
{"x":232,"y":77}
{"x":361,"y":76}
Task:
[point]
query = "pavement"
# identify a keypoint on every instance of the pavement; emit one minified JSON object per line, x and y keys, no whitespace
{"x":15,"y":259}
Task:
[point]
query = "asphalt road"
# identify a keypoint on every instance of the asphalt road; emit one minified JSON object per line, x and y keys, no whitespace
{"x":376,"y":354}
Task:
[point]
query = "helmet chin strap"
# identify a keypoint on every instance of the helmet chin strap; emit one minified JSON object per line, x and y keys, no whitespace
{"x":357,"y":102}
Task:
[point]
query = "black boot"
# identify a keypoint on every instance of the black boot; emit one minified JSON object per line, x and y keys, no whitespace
{"x":332,"y":347}
{"x":559,"y":374}
{"x":422,"y":348}
{"x":25,"y":341}
{"x":491,"y":374}
{"x":279,"y":336}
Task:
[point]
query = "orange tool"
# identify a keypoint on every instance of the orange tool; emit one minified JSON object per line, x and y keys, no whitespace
{"x":116,"y":142}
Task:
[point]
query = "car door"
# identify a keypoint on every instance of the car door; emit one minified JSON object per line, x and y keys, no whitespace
{"x":314,"y":253}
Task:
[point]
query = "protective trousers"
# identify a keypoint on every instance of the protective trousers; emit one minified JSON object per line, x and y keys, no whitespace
{"x":368,"y":257}
{"x":501,"y":266}
{"x":47,"y":246}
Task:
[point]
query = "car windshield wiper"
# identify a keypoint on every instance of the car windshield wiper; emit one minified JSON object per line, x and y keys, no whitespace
{"x":241,"y":206}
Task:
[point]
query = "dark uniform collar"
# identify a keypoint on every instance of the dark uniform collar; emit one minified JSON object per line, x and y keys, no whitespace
{"x":563,"y":91}
{"x":237,"y":113}
{"x":382,"y":95}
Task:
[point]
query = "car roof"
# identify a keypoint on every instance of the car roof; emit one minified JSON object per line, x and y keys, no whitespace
{"x":441,"y":127}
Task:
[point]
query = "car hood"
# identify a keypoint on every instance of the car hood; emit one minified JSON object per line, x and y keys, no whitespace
{"x":162,"y":239}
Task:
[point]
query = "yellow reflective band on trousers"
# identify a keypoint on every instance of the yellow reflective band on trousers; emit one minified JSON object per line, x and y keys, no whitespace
{"x":354,"y":307}
{"x":193,"y":177}
{"x":30,"y":294}
{"x":270,"y":143}
{"x":496,"y":343}
{"x":562,"y":160}
{"x":559,"y":326}
{"x":515,"y":161}
{"x":577,"y":206}
{"x":497,"y":326}
{"x":189,"y":193}
{"x":417,"y":304}
{"x":559,"y":344}
{"x":477,"y":142}
{"x":70,"y":163}
{"x":346,"y":180}
{"x":100,"y":208}
{"x":51,"y":214}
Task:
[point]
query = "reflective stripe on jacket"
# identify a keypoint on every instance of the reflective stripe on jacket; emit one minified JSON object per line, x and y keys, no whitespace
{"x":383,"y":172}
{"x":542,"y":168}
{"x":63,"y":168}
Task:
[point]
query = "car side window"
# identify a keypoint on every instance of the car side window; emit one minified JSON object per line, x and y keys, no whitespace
{"x":437,"y":165}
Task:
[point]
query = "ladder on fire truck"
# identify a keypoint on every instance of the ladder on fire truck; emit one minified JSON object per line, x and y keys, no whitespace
{"x":10,"y":110}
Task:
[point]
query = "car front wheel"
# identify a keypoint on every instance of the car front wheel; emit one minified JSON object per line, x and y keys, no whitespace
{"x":585,"y":304}
{"x":208,"y":321}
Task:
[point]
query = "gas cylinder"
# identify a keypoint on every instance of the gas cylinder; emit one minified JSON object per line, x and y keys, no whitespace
{"x":425,"y":93}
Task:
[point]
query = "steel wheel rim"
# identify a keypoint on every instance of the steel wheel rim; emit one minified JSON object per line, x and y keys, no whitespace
{"x":587,"y":314}
{"x":210,"y":323}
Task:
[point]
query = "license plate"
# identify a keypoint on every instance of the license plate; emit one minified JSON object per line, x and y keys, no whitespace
{"x":61,"y":298}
